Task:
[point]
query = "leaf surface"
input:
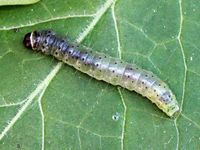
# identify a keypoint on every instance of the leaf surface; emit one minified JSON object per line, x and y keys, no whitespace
{"x":17,"y":2}
{"x":45,"y":104}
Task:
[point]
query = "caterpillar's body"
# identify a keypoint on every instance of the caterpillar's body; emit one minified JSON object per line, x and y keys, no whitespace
{"x":106,"y":68}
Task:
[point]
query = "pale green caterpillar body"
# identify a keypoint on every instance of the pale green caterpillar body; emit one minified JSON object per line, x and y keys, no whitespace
{"x":106,"y":68}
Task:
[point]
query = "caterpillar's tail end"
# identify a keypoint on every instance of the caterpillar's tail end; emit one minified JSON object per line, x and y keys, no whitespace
{"x":27,"y":41}
{"x":176,"y":114}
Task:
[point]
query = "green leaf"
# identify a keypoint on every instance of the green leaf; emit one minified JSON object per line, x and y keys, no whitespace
{"x":17,"y":2}
{"x":45,"y":104}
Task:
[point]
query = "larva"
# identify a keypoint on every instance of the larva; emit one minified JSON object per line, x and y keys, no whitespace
{"x":106,"y":68}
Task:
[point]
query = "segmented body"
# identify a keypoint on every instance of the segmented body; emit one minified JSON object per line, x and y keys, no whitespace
{"x":106,"y":68}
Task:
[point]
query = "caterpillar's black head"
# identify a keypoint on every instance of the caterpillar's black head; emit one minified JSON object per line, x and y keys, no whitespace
{"x":39,"y":40}
{"x":27,"y":40}
{"x":31,"y":40}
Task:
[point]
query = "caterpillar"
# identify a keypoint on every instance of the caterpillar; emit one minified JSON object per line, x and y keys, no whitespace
{"x":103,"y":67}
